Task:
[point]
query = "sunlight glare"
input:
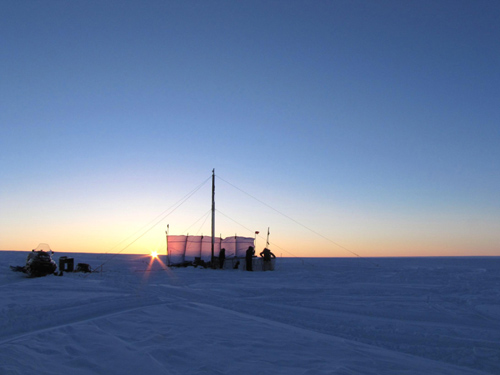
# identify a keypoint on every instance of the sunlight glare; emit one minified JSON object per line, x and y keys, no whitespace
{"x":154,"y":254}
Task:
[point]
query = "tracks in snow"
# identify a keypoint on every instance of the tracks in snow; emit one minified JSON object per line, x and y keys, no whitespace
{"x":59,"y":317}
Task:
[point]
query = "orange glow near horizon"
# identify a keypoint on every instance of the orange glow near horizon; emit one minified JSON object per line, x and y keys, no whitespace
{"x":286,"y":244}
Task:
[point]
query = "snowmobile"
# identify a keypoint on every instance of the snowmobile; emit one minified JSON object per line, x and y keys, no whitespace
{"x":39,"y":262}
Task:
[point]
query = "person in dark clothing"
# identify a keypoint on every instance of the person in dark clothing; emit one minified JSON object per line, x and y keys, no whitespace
{"x":266,"y":255}
{"x":249,"y":258}
{"x":222,"y":257}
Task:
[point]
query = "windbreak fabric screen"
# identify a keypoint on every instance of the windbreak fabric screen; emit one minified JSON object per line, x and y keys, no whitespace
{"x":182,"y":249}
{"x":237,"y":246}
{"x":193,"y":247}
{"x":206,"y":248}
{"x":176,"y":248}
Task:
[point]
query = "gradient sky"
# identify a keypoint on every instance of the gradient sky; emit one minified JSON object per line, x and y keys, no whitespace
{"x":375,"y":124}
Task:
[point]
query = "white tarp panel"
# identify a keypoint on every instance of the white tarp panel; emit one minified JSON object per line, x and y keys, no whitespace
{"x":187,"y":248}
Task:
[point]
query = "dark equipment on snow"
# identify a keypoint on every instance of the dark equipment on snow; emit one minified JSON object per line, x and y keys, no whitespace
{"x":83,"y":267}
{"x":66,"y":264}
{"x":40,"y":263}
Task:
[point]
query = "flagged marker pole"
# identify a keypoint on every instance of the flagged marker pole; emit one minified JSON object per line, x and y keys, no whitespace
{"x":166,"y":239}
{"x":213,"y":216}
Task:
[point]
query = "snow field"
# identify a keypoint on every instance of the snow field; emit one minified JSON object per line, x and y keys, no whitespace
{"x":310,"y":316}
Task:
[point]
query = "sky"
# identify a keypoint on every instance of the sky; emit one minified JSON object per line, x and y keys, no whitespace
{"x":349,"y":128}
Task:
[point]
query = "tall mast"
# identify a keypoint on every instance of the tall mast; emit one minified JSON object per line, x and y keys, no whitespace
{"x":213,"y":213}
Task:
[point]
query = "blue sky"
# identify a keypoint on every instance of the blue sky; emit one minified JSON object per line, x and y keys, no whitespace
{"x":376,"y":124}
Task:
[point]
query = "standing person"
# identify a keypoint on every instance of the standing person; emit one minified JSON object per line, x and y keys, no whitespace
{"x":249,"y":258}
{"x":222,"y":257}
{"x":267,"y":264}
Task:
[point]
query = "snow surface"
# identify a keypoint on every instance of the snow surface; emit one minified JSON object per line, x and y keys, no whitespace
{"x":309,"y":316}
